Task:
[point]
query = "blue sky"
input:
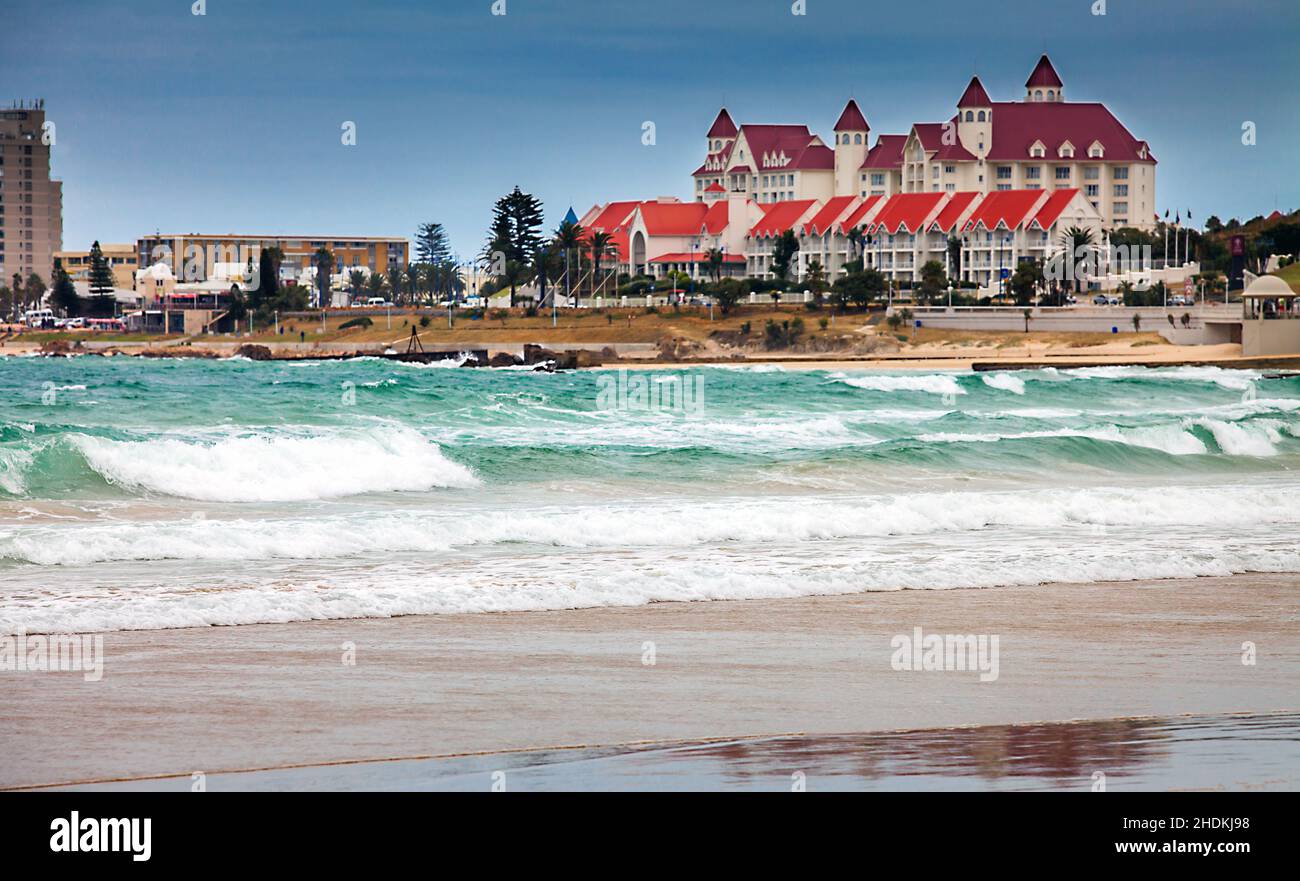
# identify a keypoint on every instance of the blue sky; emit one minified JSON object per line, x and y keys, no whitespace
{"x":231,"y":122}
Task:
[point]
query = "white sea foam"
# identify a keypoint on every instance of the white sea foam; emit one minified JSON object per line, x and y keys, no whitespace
{"x":751,"y":521}
{"x":1251,"y":439}
{"x":276,"y":467}
{"x":1234,"y":380}
{"x":1005,"y":382}
{"x":931,"y":383}
{"x":1171,"y":439}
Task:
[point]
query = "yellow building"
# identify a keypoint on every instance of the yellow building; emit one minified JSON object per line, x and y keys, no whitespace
{"x":196,"y":257}
{"x":121,"y":259}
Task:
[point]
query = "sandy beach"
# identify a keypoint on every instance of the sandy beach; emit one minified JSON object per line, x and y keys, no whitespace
{"x":174,"y":702}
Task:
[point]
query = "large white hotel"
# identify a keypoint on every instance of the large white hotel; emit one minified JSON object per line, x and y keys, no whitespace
{"x":1003,"y":178}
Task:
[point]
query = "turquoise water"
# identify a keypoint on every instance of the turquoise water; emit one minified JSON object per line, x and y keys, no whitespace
{"x":141,"y":494}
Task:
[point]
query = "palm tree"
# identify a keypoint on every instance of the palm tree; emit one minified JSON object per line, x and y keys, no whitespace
{"x":600,"y":244}
{"x":954,"y":256}
{"x":569,"y":237}
{"x":356,"y":281}
{"x":1075,"y":239}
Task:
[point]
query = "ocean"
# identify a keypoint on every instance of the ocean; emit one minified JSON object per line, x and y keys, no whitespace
{"x":145,"y":494}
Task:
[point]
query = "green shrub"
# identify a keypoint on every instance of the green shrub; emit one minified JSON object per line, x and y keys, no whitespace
{"x":361,"y":321}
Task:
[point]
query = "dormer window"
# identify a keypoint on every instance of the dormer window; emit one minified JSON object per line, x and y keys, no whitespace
{"x":1066,"y":151}
{"x":1037,"y":150}
{"x":857,"y":139}
{"x":1051,"y":95}
{"x":1096,"y":151}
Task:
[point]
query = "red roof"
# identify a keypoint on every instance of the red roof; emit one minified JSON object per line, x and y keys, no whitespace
{"x":780,"y":216}
{"x":714,"y":163}
{"x":1017,"y":125}
{"x":796,"y":142}
{"x":931,"y":136}
{"x":852,"y":120}
{"x":1275,"y":215}
{"x":1044,"y":75}
{"x":906,"y":211}
{"x":825,"y":218}
{"x":860,"y":212}
{"x":612,"y":219}
{"x":1052,"y":208}
{"x":722,"y":127}
{"x":697,"y":257}
{"x":1005,"y":207}
{"x":716,"y":220}
{"x":888,"y":152}
{"x":674,"y":218}
{"x":715,"y":187}
{"x":953,"y":211}
{"x":975,"y":96}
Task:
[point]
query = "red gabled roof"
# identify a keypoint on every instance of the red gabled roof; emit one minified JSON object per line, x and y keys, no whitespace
{"x":697,"y":257}
{"x":931,"y":136}
{"x":1052,"y":208}
{"x":722,"y":127}
{"x":975,"y":96}
{"x":715,"y":187}
{"x":1006,"y":207}
{"x":888,"y":152}
{"x":780,"y":216}
{"x":800,"y":146}
{"x":906,"y":211}
{"x":852,"y":120}
{"x":674,"y":218}
{"x":952,"y":212}
{"x":1275,"y":215}
{"x":856,"y":215}
{"x":1044,"y":75}
{"x":714,"y":163}
{"x":824,"y":219}
{"x":1017,"y":125}
{"x":717,"y":218}
{"x":613,"y":219}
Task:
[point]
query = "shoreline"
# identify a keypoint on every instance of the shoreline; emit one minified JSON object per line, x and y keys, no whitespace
{"x":276,"y":695}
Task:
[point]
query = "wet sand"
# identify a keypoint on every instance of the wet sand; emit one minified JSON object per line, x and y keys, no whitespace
{"x":272,"y":696}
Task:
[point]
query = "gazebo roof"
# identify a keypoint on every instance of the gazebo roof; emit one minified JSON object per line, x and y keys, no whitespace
{"x":1269,"y":287}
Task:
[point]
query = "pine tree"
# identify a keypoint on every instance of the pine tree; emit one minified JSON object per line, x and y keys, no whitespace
{"x":64,"y":296}
{"x":431,"y":244}
{"x":515,"y":234}
{"x":102,"y":299}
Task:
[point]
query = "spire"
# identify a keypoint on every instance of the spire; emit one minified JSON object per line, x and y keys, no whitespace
{"x":722,"y":127}
{"x":1044,"y":76}
{"x":975,"y":96}
{"x":571,"y":218}
{"x":852,"y":120}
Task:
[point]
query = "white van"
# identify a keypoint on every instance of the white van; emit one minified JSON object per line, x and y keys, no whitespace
{"x":376,"y":302}
{"x":38,"y":318}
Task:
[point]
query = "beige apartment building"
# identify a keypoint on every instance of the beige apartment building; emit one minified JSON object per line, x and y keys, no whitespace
{"x":198,"y":258}
{"x":31,"y":205}
{"x":121,"y":259}
{"x":1041,"y":142}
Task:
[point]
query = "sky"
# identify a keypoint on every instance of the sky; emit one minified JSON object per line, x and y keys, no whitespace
{"x":232,"y":121}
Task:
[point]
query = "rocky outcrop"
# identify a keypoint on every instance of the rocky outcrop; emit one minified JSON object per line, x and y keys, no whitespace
{"x":253,"y":352}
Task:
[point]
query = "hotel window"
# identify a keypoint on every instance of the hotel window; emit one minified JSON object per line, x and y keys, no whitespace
{"x":1004,"y":172}
{"x":1121,"y":208}
{"x":1121,"y":173}
{"x":934,"y":172}
{"x":1033,"y":172}
{"x":1092,"y":172}
{"x":950,"y":187}
{"x":950,"y":169}
{"x":877,"y":180}
{"x":1062,"y":172}
{"x":1004,"y":186}
{"x":699,"y":185}
{"x":1121,"y":189}
{"x":1092,"y":190}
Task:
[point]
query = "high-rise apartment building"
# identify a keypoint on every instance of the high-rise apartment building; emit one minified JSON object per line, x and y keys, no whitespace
{"x":31,"y":205}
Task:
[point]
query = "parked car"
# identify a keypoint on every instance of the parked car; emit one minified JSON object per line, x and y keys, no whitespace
{"x":1101,"y":300}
